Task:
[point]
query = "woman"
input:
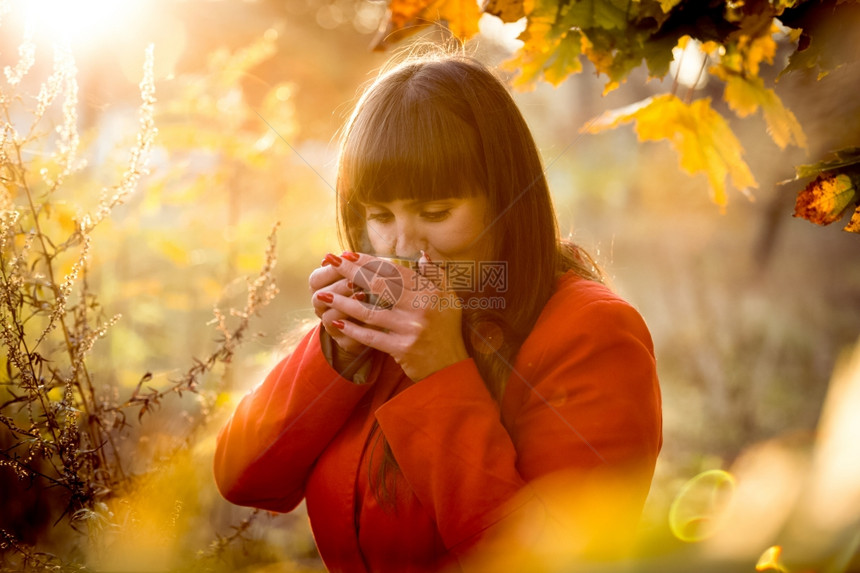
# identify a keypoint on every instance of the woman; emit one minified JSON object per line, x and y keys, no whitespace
{"x":451,"y":417}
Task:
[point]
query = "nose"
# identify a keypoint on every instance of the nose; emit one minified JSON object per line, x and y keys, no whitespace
{"x":409,"y":240}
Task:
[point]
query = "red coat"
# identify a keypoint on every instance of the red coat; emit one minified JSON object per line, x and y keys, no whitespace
{"x":583,"y":399}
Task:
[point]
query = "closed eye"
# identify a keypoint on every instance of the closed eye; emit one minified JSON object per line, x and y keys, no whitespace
{"x":382,"y":217}
{"x":436,"y":215}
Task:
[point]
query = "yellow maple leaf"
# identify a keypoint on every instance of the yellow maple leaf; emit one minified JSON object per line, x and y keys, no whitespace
{"x":746,"y":94}
{"x":405,"y":17}
{"x":404,"y":12}
{"x":741,"y":95}
{"x":782,"y":125}
{"x":506,"y":10}
{"x":701,"y":137}
{"x":757,"y":50}
{"x":602,"y":60}
{"x":667,"y":5}
{"x":529,"y":64}
{"x":826,"y":198}
{"x":461,"y":15}
{"x":539,"y":45}
{"x":529,"y":6}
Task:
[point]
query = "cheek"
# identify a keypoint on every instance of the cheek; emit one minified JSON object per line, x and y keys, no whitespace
{"x":457,"y":240}
{"x":376,"y":237}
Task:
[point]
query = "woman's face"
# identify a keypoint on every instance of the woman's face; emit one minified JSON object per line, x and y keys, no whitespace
{"x":446,"y":229}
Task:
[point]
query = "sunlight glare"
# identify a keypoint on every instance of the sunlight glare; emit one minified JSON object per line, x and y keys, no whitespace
{"x":80,"y":21}
{"x":689,"y":65}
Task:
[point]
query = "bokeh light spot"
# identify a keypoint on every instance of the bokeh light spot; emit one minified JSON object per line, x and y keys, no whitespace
{"x":699,"y":508}
{"x":486,"y":337}
{"x":330,"y":16}
{"x":769,"y":560}
{"x":284,"y":92}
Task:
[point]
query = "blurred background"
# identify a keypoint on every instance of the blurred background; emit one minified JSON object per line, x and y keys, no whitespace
{"x":750,"y":309}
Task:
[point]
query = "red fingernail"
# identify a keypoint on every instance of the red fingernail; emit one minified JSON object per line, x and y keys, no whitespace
{"x":333,"y":260}
{"x":350,"y":285}
{"x":324,"y":262}
{"x":350,"y":256}
{"x":326,"y":297}
{"x":359,"y":296}
{"x":337,"y":324}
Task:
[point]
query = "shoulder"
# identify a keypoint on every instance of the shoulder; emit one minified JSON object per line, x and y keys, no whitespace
{"x":575,"y":297}
{"x":572,"y":290}
{"x":583,"y":309}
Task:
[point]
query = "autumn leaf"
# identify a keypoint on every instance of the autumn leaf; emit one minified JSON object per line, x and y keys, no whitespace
{"x":405,"y":17}
{"x":615,"y":35}
{"x":700,"y":136}
{"x":658,"y":55}
{"x":833,"y":191}
{"x":506,"y":10}
{"x":827,"y":198}
{"x":461,"y":16}
{"x":606,"y":14}
{"x":746,"y":94}
{"x":760,"y":49}
{"x":745,"y":54}
{"x":530,"y":65}
{"x":405,"y":12}
{"x":549,"y":49}
{"x":853,"y":225}
{"x":825,"y":42}
{"x":839,"y":159}
{"x":538,"y":49}
{"x":565,"y":61}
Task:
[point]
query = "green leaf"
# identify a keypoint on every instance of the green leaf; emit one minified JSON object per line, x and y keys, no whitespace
{"x":606,"y":14}
{"x":565,"y":61}
{"x":658,"y":55}
{"x":841,"y":158}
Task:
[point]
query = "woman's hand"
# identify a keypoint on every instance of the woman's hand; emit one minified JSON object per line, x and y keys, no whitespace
{"x":421,"y":329}
{"x":325,"y":282}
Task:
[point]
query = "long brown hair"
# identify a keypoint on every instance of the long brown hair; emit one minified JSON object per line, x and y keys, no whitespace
{"x":444,"y":125}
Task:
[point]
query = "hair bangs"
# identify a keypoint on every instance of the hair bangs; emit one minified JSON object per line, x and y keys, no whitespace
{"x":411,"y":150}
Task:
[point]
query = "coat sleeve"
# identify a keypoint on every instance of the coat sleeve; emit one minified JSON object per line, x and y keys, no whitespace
{"x":268,"y":447}
{"x":586,"y":411}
